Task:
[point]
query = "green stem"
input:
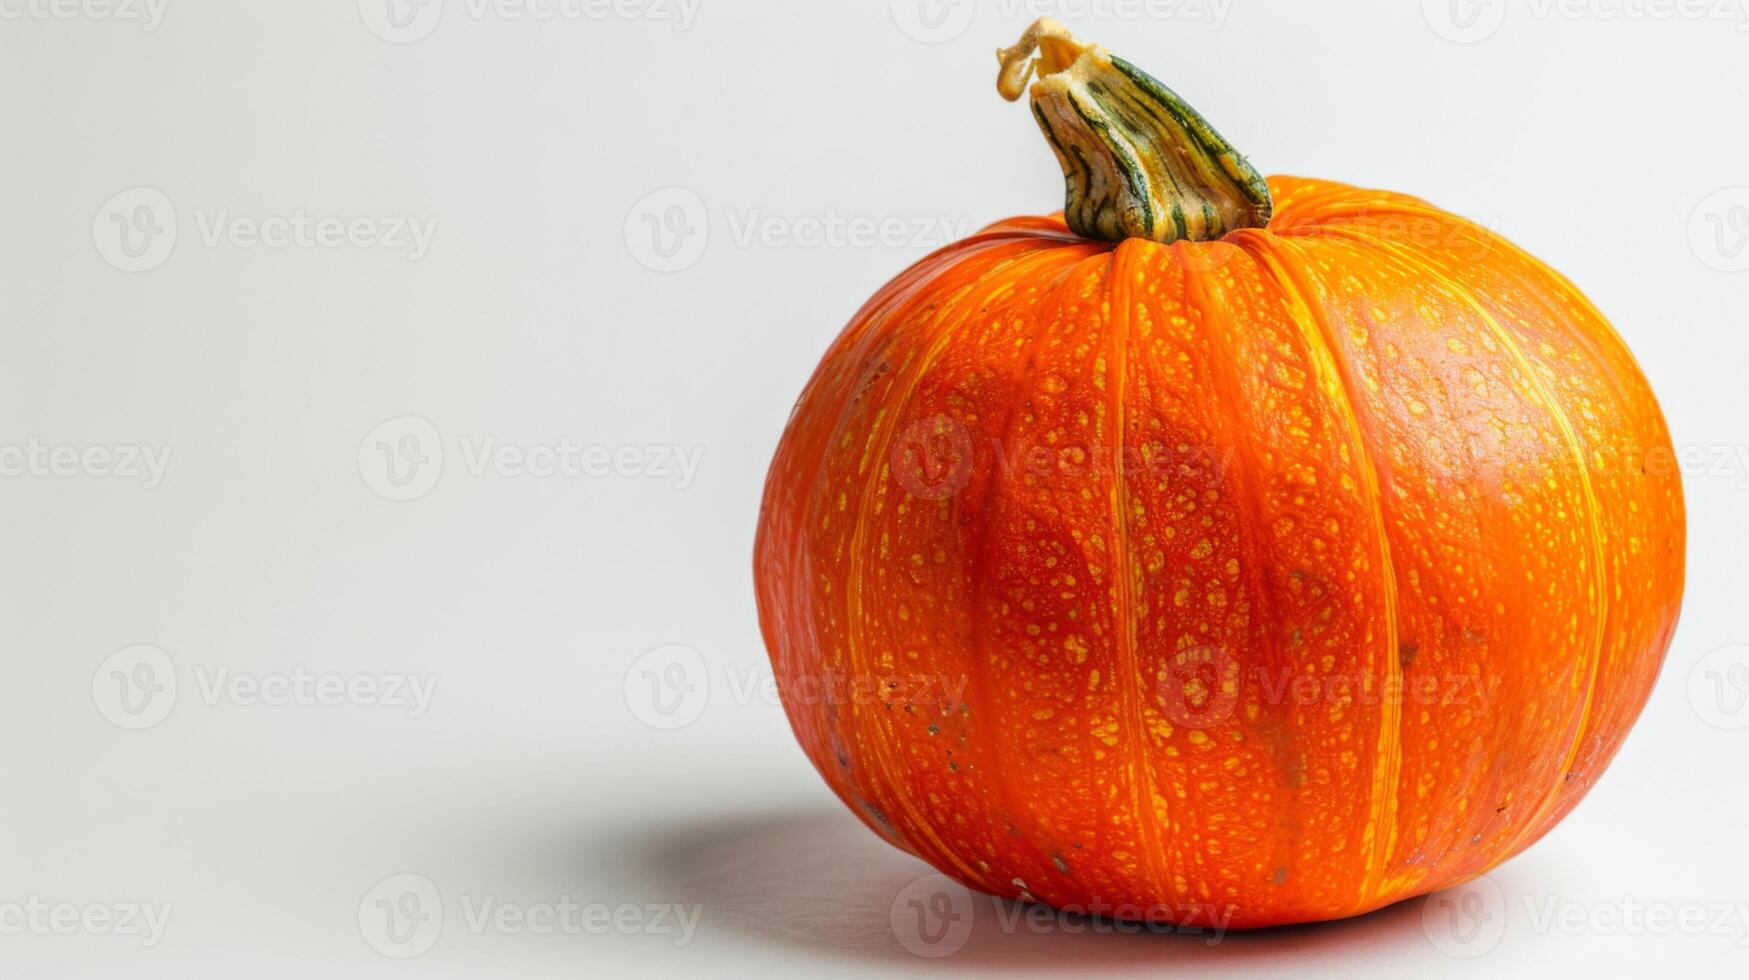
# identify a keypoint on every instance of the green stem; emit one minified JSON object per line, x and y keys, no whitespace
{"x":1138,"y":162}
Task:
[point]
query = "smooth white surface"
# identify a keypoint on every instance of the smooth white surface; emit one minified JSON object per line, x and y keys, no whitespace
{"x":543,"y":150}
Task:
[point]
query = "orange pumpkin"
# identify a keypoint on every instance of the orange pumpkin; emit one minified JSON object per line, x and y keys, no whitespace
{"x":1276,"y":551}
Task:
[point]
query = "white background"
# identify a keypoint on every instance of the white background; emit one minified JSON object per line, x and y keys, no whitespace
{"x":1608,"y":139}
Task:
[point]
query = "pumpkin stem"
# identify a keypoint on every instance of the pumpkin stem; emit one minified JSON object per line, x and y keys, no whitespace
{"x":1138,"y":162}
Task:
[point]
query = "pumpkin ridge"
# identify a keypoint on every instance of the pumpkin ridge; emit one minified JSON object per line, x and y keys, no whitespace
{"x":1381,"y":828}
{"x":1147,"y":781}
{"x":934,"y":337}
{"x":1599,"y":571}
{"x":867,"y":333}
{"x":1489,"y":239}
{"x":982,"y":678}
{"x":1224,"y":361}
{"x":1551,"y":287}
{"x":855,"y":342}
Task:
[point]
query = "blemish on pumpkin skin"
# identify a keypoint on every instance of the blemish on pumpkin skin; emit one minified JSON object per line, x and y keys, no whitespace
{"x":878,"y":817}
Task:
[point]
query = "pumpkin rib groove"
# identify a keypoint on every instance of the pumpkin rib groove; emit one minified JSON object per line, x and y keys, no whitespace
{"x":855,"y":343}
{"x":1572,"y":293}
{"x":871,"y":331}
{"x":1549,"y":287}
{"x":982,"y":678}
{"x":1599,"y":567}
{"x":1381,"y":829}
{"x":1241,"y":487}
{"x":998,"y":277}
{"x":1147,"y":785}
{"x":1402,"y":260}
{"x":1409,"y":261}
{"x":1409,"y":206}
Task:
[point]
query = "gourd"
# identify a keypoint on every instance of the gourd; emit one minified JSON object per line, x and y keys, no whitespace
{"x":1276,"y":548}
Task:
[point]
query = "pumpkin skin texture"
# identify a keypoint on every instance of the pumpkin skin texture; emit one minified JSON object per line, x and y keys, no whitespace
{"x":1281,"y":576}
